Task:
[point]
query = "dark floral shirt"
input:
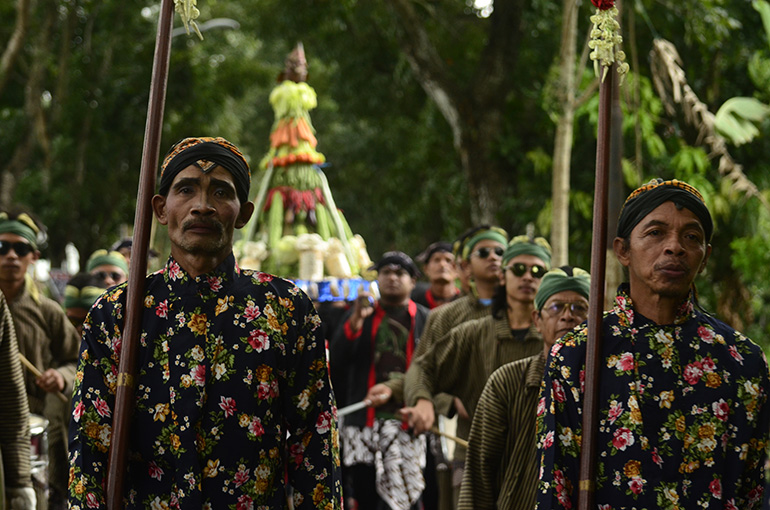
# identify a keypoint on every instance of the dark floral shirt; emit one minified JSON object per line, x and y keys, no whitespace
{"x":233,"y":400}
{"x":683,"y":417}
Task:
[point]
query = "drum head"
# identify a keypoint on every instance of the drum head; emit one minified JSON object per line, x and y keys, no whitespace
{"x":37,"y":424}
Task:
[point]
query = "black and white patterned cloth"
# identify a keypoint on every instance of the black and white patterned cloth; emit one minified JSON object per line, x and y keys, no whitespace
{"x":398,"y":458}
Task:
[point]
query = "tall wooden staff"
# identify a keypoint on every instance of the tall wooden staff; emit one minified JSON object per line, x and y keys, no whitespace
{"x":605,"y":55}
{"x":125,"y":397}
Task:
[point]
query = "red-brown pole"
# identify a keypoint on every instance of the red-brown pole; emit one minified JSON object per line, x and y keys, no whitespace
{"x":596,"y":301}
{"x":124,"y":397}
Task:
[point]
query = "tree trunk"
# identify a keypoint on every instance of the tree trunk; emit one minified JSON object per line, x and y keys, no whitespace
{"x":473,"y":111}
{"x":562,"y":151}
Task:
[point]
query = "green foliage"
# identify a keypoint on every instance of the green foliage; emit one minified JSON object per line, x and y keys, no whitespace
{"x":751,"y":255}
{"x":393,"y":166}
{"x":736,"y":120}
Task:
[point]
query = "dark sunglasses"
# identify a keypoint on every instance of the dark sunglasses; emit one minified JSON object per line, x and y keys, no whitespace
{"x":102,"y":275}
{"x":519,"y":268}
{"x":485,"y":252}
{"x":20,"y":248}
{"x":579,"y":310}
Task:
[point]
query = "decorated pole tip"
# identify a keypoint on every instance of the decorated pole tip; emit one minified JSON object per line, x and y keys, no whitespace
{"x":603,"y":5}
{"x":606,"y":39}
{"x":189,"y":12}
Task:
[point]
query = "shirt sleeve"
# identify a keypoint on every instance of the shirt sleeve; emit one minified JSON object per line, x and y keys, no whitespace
{"x":311,"y":414}
{"x":93,"y":401}
{"x":559,"y":427}
{"x":486,"y":445}
{"x":64,"y":347}
{"x":439,"y":369}
{"x":14,"y":427}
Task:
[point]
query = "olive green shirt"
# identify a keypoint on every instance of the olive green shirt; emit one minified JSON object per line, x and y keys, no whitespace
{"x":461,"y":362}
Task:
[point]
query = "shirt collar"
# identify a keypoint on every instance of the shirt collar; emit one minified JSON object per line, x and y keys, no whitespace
{"x":535,"y":370}
{"x":211,"y":281}
{"x":625,"y":306}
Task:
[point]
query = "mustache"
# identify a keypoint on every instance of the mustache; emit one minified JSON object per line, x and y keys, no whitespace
{"x":209,"y":223}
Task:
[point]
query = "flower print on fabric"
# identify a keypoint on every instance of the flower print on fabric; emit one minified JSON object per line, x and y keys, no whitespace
{"x":232,"y":392}
{"x":683,"y":415}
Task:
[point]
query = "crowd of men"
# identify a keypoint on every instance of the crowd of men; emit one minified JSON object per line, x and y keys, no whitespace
{"x":248,"y":395}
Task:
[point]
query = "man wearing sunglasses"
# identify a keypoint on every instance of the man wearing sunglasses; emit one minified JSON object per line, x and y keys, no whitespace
{"x":460,"y":362}
{"x":479,"y":251}
{"x":501,"y":469}
{"x":683,"y":420}
{"x":45,"y":337}
{"x":110,"y":266}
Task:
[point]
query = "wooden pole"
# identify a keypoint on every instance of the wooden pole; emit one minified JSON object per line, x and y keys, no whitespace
{"x":125,"y":393}
{"x":596,"y":301}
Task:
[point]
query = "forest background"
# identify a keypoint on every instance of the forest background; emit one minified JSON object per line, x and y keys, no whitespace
{"x":434,"y":115}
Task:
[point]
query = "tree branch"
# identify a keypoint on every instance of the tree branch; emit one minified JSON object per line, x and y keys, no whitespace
{"x":13,"y":48}
{"x":428,"y":66}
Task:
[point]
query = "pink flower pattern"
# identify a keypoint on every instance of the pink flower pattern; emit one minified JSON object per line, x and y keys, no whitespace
{"x":686,"y":398}
{"x":226,"y":393}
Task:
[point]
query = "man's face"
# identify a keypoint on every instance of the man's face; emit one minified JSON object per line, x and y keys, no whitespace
{"x":395,"y":284}
{"x":76,"y":316}
{"x":560,"y":313}
{"x":13,"y":266}
{"x":201,"y":211}
{"x":485,"y":260}
{"x":664,"y":253}
{"x":441,"y":267}
{"x":523,"y":287}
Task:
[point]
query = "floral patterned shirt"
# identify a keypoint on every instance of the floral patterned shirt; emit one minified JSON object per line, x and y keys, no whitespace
{"x":233,"y":400}
{"x":683,"y":420}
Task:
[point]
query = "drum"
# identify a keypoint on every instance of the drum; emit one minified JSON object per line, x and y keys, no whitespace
{"x":38,"y":433}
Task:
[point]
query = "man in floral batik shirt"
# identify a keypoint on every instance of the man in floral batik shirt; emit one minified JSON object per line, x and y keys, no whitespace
{"x":683,"y":420}
{"x":233,"y":401}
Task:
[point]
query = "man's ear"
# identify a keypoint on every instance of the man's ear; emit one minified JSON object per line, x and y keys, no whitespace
{"x":537,"y":320}
{"x":620,"y":247}
{"x":159,"y":208}
{"x":244,"y":215}
{"x":705,"y":259}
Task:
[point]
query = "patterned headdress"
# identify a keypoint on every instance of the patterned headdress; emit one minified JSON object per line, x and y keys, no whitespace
{"x":643,"y":200}
{"x":206,"y":153}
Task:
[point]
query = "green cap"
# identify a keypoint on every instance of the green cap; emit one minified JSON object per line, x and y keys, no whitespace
{"x":560,"y":279}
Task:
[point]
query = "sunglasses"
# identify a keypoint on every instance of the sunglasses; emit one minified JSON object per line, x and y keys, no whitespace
{"x":579,"y":310}
{"x":485,"y":252}
{"x":103,"y":275}
{"x":519,"y":268}
{"x":20,"y":248}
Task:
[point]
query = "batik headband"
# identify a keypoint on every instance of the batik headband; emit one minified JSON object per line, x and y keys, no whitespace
{"x":525,"y":245}
{"x":560,"y":279}
{"x":647,"y":198}
{"x":106,"y":258}
{"x":204,"y":152}
{"x":492,"y":234}
{"x":22,"y":226}
{"x":81,"y":298}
